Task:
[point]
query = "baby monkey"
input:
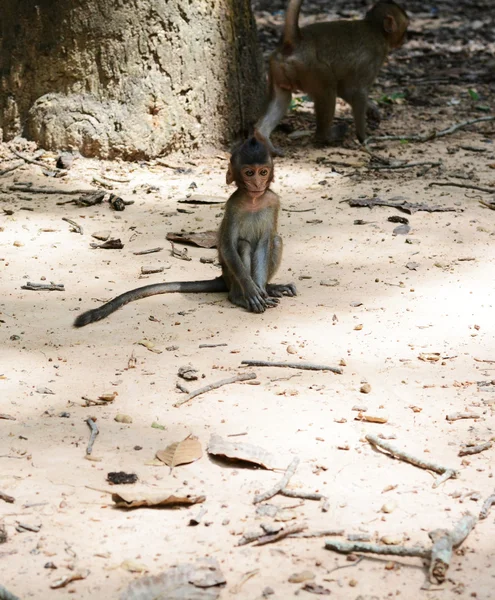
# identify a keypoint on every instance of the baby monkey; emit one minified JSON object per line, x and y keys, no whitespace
{"x":326,"y":60}
{"x":249,"y":247}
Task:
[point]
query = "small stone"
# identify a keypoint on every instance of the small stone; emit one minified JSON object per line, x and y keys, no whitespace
{"x":389,"y":507}
{"x":18,"y":244}
{"x":302,"y":576}
{"x":120,"y":418}
{"x":101,"y":235}
{"x":391,"y":540}
{"x":329,"y":282}
{"x":268,"y":591}
{"x":291,"y":350}
{"x":358,"y":327}
{"x":365,"y":388}
{"x":353,"y":582}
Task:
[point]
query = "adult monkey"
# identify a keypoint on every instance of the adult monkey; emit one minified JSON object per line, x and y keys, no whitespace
{"x":326,"y":60}
{"x":249,"y":247}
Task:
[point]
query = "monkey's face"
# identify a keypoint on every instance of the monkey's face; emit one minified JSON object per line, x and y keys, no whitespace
{"x":256,"y":179}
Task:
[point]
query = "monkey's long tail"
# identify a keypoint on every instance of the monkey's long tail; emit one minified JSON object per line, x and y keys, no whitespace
{"x":207,"y":285}
{"x":291,"y":27}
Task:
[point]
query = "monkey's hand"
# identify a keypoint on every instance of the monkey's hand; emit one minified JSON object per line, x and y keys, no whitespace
{"x":276,"y":290}
{"x":257,"y":299}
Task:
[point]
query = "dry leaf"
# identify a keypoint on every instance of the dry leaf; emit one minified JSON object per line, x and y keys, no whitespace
{"x":371,"y":418}
{"x":108,"y":397}
{"x":133,"y":567}
{"x":181,"y":453}
{"x":136,"y":499}
{"x":63,"y":581}
{"x":203,"y":239}
{"x":198,"y":581}
{"x":429,"y":356}
{"x":149,"y":346}
{"x":242,"y":452}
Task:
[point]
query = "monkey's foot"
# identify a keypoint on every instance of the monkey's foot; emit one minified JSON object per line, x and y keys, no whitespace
{"x":256,"y":302}
{"x":336,"y":134}
{"x":277,"y":290}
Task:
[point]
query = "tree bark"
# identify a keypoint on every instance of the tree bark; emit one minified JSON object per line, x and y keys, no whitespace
{"x":128,"y":78}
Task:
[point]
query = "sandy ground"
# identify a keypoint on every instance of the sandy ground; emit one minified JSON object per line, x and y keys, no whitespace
{"x":358,"y":305}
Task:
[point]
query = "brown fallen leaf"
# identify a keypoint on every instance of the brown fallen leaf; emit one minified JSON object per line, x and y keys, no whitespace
{"x":202,"y":580}
{"x":429,"y":356}
{"x":370,"y":418}
{"x":63,"y":581}
{"x":181,"y":453}
{"x":203,"y":239}
{"x":241,"y":452}
{"x":136,"y":499}
{"x":149,"y":346}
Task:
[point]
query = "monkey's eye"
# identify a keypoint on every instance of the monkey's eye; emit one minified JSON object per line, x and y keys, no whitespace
{"x":249,"y":173}
{"x":264,"y":172}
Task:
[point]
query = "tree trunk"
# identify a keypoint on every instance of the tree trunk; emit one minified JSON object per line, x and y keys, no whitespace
{"x":128,"y":78}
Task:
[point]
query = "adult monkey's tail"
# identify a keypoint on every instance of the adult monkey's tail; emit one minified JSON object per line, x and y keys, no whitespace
{"x":207,"y":285}
{"x":291,"y":28}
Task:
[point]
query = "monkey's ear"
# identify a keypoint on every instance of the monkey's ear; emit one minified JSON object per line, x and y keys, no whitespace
{"x":230,"y":174}
{"x":390,"y":24}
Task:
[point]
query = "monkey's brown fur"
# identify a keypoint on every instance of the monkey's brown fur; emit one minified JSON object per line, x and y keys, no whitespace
{"x":249,"y":247}
{"x":326,"y":60}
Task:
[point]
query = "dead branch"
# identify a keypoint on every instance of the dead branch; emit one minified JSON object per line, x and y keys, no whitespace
{"x":444,"y":542}
{"x":316,"y":534}
{"x":6,"y":595}
{"x":468,"y":186}
{"x":461,"y":415}
{"x":75,"y":227}
{"x":348,"y":547}
{"x":467,"y":450}
{"x":4,"y":496}
{"x":417,"y":462}
{"x":302,"y":495}
{"x":490,"y":205}
{"x":11,"y":168}
{"x":150,"y":251}
{"x":304,"y":366}
{"x":283,"y":533}
{"x":28,"y":188}
{"x":216,"y":385}
{"x":426,"y":163}
{"x":211,"y":345}
{"x":282,"y":484}
{"x":7,"y":417}
{"x":53,"y":287}
{"x":298,"y":210}
{"x":408,"y":207}
{"x":94,"y":432}
{"x":31,"y":161}
{"x":487,"y":504}
{"x":426,"y":137}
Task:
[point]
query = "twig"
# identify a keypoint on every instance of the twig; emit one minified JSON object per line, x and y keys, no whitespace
{"x":298,"y":210}
{"x":444,"y":542}
{"x":211,"y":345}
{"x":461,"y":415}
{"x":353,"y":564}
{"x":76,"y":228}
{"x":484,"y":360}
{"x":348,"y":547}
{"x":150,"y":251}
{"x":304,"y":366}
{"x":30,"y":189}
{"x":7,"y":417}
{"x":417,"y":462}
{"x":425,"y":137}
{"x":6,"y":497}
{"x":6,"y":595}
{"x":94,"y":432}
{"x":151,"y":270}
{"x":468,"y":186}
{"x":282,"y":484}
{"x":31,"y":161}
{"x":181,"y":387}
{"x":487,"y":504}
{"x":283,"y":533}
{"x":408,"y":207}
{"x":11,"y":168}
{"x":315,"y":534}
{"x":490,"y":205}
{"x":302,"y":495}
{"x":216,"y":385}
{"x":53,"y":287}
{"x":467,"y":450}
{"x":238,"y":586}
{"x":106,"y":184}
{"x":406,"y":165}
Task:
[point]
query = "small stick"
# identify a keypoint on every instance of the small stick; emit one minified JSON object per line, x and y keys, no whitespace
{"x":302,"y":495}
{"x":484,"y":360}
{"x":6,"y":595}
{"x":283,"y":533}
{"x":444,"y":542}
{"x":425,"y":137}
{"x":211,"y":345}
{"x":315,"y":534}
{"x":193,"y":521}
{"x":487,"y":504}
{"x":6,"y":497}
{"x":182,"y":388}
{"x":461,"y":415}
{"x":298,"y":210}
{"x":246,"y":577}
{"x":353,"y":564}
{"x":348,"y":547}
{"x":94,"y":432}
{"x":467,"y":450}
{"x":11,"y":168}
{"x":304,"y":366}
{"x":417,"y":462}
{"x":216,"y":385}
{"x":7,"y":417}
{"x":56,"y":287}
{"x":30,"y":189}
{"x":407,"y":165}
{"x":77,"y":228}
{"x":182,"y":254}
{"x":291,"y":469}
{"x":463,"y":185}
{"x":151,"y":270}
{"x":31,"y":161}
{"x":150,"y":251}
